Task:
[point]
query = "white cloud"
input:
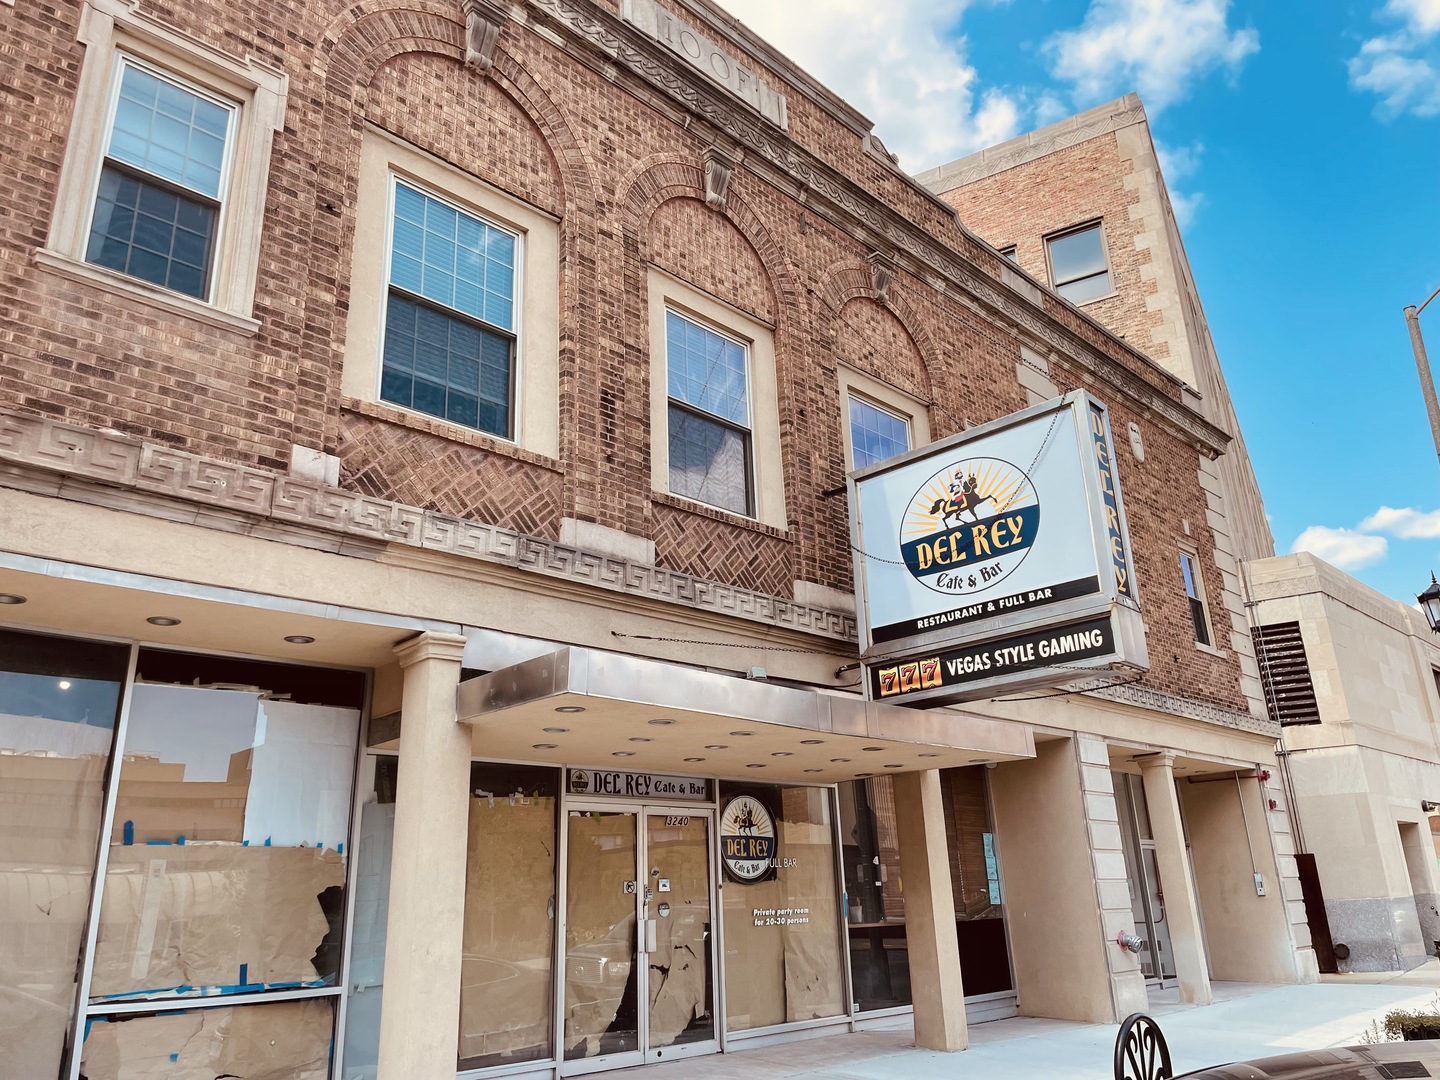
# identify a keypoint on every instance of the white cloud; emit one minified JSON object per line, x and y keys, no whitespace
{"x":901,"y":63}
{"x":1403,"y":68}
{"x":1407,"y":523}
{"x":1422,"y":16}
{"x":1345,"y":548}
{"x":1158,"y":47}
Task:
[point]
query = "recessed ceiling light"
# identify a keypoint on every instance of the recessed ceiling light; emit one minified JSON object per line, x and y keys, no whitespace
{"x":894,"y":766}
{"x":555,"y":730}
{"x":623,"y":753}
{"x":754,"y":766}
{"x":811,"y":742}
{"x":543,"y":746}
{"x":839,"y":760}
{"x":11,"y":598}
{"x":162,"y":620}
{"x":977,"y":761}
{"x":694,"y":759}
{"x":640,"y":738}
{"x":863,"y":775}
{"x":661,"y":721}
{"x":814,"y":770}
{"x":929,"y":755}
{"x":569,"y":708}
{"x":300,"y":639}
{"x":742,"y":733}
{"x":716,"y":746}
{"x":64,"y":684}
{"x":782,"y":753}
{"x":872,"y":749}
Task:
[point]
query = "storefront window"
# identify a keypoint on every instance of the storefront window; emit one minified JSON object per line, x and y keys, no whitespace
{"x":870,"y":854}
{"x":58,"y":705}
{"x":227,"y":866}
{"x":287,"y":1038}
{"x":782,"y":942}
{"x":975,"y":881}
{"x":506,"y":989}
{"x":370,"y":923}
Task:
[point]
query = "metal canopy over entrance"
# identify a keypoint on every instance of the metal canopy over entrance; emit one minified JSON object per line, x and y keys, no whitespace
{"x":585,"y":705}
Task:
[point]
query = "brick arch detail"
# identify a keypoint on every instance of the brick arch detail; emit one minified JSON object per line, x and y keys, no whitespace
{"x":850,"y":280}
{"x":662,"y":177}
{"x":353,"y":48}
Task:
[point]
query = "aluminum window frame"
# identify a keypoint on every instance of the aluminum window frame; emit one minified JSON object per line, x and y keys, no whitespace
{"x":1098,"y":225}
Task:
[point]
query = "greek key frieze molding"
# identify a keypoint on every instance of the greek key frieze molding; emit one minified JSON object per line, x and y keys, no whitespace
{"x":71,"y":452}
{"x":817,"y":181}
{"x":1144,"y":697}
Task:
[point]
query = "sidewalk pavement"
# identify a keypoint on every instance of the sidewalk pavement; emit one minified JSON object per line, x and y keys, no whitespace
{"x":1246,"y":1021}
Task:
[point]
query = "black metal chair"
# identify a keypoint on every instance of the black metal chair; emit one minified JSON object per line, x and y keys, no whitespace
{"x":1140,"y":1050}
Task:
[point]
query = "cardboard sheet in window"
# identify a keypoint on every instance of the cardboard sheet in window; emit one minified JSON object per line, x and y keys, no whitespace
{"x":206,"y":915}
{"x":285,"y":1041}
{"x":506,"y":992}
{"x":48,"y":829}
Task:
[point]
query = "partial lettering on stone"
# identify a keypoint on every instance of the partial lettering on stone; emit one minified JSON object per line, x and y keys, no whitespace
{"x":700,"y":52}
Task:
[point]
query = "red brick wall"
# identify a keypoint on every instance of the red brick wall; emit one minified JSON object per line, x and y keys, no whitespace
{"x":625,"y":177}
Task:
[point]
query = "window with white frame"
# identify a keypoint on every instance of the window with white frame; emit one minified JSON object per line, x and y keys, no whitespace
{"x":161,"y":196}
{"x":1079,"y":270}
{"x":876,"y":433}
{"x":707,"y":375}
{"x":163,"y":181}
{"x":449,"y":343}
{"x":1195,"y":593}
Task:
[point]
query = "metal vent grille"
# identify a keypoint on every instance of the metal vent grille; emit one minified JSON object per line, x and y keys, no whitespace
{"x":1285,"y":673}
{"x":1394,"y":1070}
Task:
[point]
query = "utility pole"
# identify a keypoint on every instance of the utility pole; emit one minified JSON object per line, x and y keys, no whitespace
{"x":1422,"y":362}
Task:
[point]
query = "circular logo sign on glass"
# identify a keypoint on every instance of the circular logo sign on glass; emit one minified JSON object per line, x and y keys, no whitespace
{"x":970,"y":526}
{"x":747,"y":838}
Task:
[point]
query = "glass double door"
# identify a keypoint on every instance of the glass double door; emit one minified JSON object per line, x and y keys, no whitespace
{"x":639,"y":982}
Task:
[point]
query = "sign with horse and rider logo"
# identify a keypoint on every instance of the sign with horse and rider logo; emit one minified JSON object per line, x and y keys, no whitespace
{"x":996,"y":558}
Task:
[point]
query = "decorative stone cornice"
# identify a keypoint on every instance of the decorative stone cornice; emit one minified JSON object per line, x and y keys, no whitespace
{"x":1143,"y":697}
{"x":606,"y":43}
{"x":1101,"y":120}
{"x":70,"y":461}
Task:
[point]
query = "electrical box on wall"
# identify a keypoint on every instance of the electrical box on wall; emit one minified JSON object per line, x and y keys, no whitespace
{"x":1259,"y":884}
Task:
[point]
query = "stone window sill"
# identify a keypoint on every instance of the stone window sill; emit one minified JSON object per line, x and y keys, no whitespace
{"x":130,"y":289}
{"x":690,"y":506}
{"x":444,"y":429}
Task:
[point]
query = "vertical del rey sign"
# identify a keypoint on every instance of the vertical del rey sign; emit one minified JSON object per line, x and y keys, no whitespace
{"x":996,"y":560}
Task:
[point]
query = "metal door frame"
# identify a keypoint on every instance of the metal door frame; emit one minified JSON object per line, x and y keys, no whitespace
{"x":644,"y":1054}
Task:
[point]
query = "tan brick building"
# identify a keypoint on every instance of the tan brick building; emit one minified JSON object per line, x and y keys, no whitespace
{"x":350,"y":350}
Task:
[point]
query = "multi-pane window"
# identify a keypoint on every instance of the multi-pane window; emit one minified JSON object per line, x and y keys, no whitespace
{"x":709,"y":415}
{"x":162,"y":183}
{"x":1009,"y":253}
{"x":449,"y":347}
{"x":875,"y":433}
{"x":1195,"y":592}
{"x":1078,"y":269}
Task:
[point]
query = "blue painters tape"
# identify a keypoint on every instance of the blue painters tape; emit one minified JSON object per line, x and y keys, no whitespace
{"x":244,"y":843}
{"x":129,"y":833}
{"x":181,"y":841}
{"x":159,"y":843}
{"x":340,"y":848}
{"x":244,"y":974}
{"x":174,"y":1057}
{"x":267,"y":841}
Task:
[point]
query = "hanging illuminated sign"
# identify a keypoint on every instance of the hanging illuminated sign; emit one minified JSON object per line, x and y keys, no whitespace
{"x":998,"y":558}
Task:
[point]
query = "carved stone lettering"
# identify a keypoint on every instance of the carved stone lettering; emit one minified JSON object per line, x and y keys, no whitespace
{"x":700,"y":52}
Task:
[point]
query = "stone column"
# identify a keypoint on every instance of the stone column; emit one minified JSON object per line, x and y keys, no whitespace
{"x":420,"y":1019}
{"x":1177,"y":884}
{"x":930,"y":913}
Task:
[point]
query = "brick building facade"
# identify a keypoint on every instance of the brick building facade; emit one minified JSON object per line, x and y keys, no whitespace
{"x":348,"y":350}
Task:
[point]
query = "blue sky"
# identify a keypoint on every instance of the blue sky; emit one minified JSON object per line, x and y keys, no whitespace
{"x":1301,"y":143}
